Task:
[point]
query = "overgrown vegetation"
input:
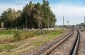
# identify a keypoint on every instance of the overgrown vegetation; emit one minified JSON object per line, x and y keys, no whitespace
{"x":17,"y":36}
{"x":7,"y":36}
{"x":25,"y":45}
{"x":48,"y":36}
{"x":6,"y":47}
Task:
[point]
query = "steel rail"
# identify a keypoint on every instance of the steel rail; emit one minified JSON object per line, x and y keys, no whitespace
{"x":48,"y":51}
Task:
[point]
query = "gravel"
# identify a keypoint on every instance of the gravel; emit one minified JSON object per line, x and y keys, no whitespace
{"x":65,"y":47}
{"x":81,"y":49}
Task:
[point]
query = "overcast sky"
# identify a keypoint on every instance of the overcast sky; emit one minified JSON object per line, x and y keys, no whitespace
{"x":72,"y":10}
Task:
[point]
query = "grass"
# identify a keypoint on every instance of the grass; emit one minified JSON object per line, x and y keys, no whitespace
{"x":6,"y":33}
{"x":5,"y":47}
{"x":11,"y":35}
{"x":6,"y":36}
{"x":50,"y":36}
{"x":34,"y":39}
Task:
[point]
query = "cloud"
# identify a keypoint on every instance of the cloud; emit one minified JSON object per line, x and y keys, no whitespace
{"x":72,"y":13}
{"x":70,"y":2}
{"x":22,"y":1}
{"x":5,"y":7}
{"x":68,"y":10}
{"x":26,"y":1}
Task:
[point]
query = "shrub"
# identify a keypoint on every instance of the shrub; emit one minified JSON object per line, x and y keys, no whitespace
{"x":17,"y":36}
{"x":27,"y":35}
{"x":23,"y":35}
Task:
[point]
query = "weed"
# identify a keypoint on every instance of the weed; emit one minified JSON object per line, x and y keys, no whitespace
{"x":17,"y":36}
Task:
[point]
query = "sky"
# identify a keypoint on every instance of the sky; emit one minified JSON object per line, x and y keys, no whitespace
{"x":72,"y":10}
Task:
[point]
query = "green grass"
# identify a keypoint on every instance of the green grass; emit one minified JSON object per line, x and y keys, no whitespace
{"x":11,"y":35}
{"x":40,"y":40}
{"x":26,"y":45}
{"x":6,"y":33}
{"x":6,"y":47}
{"x":50,"y":36}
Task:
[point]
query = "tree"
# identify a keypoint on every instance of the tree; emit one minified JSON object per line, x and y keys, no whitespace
{"x":38,"y":14}
{"x":32,"y":16}
{"x":8,"y":18}
{"x":48,"y":17}
{"x":27,"y":15}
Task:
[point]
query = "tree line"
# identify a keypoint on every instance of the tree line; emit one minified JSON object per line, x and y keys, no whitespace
{"x":32,"y":16}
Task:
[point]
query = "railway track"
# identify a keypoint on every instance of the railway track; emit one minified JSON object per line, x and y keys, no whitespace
{"x":74,"y":49}
{"x":71,"y":41}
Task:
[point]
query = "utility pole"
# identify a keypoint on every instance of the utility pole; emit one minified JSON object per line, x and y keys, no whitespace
{"x":67,"y":22}
{"x":63,"y":21}
{"x":84,"y":19}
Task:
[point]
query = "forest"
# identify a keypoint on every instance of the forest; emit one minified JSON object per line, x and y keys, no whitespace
{"x":33,"y":15}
